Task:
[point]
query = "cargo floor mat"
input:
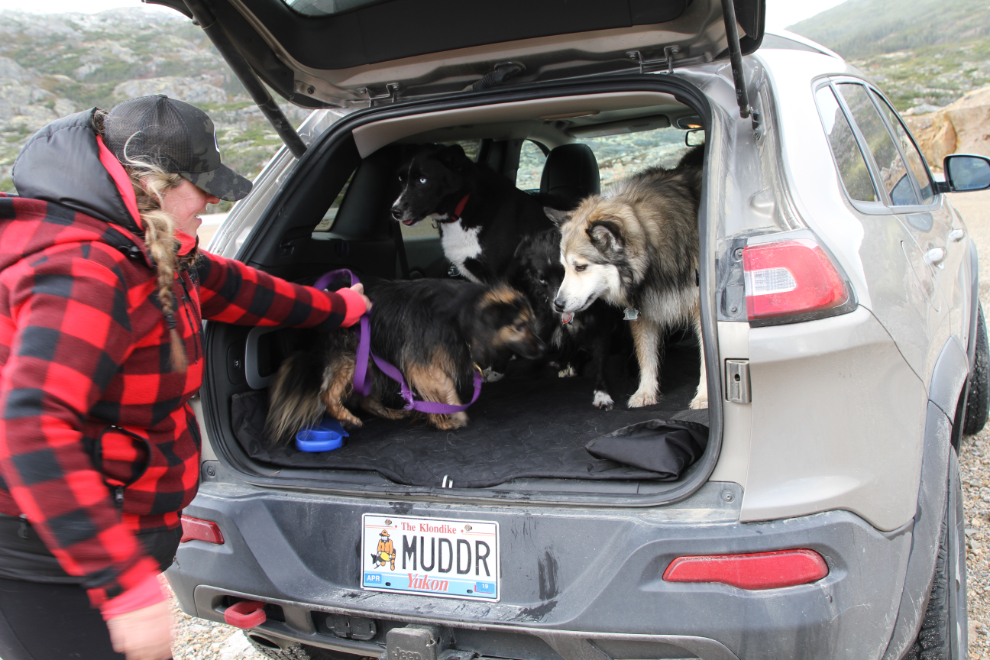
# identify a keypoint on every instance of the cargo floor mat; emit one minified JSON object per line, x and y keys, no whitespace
{"x":525,"y":425}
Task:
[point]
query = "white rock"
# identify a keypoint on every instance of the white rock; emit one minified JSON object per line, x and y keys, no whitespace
{"x":12,"y":71}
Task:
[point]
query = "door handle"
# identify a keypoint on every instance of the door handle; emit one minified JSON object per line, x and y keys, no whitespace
{"x":935,"y":256}
{"x":956,"y":235}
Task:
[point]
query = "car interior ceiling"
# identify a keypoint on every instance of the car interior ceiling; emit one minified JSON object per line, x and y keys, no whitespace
{"x":530,"y":425}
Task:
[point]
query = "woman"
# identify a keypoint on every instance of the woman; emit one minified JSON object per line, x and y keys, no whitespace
{"x":102,"y":296}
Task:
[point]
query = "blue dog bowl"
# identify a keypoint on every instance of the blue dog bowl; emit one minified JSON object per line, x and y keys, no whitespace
{"x":329,"y":435}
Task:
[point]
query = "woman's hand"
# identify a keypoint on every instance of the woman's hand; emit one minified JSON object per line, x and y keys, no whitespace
{"x":359,"y":289}
{"x":144,"y":634}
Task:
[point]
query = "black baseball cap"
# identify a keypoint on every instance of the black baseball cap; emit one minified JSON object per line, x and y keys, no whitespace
{"x":178,"y":137}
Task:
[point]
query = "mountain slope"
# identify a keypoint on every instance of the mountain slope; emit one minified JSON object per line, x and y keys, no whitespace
{"x":923,"y":53}
{"x":860,"y":28}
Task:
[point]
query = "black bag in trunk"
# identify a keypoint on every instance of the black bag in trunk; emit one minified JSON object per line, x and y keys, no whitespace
{"x":664,"y":447}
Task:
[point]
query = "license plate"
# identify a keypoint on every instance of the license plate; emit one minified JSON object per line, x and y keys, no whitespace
{"x":434,"y":556}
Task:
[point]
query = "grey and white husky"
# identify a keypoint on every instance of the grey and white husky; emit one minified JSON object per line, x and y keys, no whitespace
{"x":636,"y":247}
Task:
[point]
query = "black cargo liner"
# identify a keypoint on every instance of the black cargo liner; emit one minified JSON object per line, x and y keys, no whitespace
{"x":526,"y":425}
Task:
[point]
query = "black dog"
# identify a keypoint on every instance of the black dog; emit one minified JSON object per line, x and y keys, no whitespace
{"x":433,"y":331}
{"x":576,"y":338}
{"x":481,"y":214}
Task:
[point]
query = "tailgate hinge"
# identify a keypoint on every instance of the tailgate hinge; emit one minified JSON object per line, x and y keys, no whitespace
{"x":668,"y":58}
{"x":391,"y":93}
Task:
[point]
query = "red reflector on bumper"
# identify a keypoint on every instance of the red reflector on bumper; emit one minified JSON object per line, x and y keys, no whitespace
{"x":194,"y":529}
{"x":764,"y":570}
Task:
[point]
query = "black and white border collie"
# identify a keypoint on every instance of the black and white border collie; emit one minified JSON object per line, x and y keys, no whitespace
{"x":481,"y":214}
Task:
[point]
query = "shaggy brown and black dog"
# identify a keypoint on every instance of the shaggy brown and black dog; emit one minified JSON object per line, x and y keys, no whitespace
{"x":435,"y":332}
{"x":636,"y":247}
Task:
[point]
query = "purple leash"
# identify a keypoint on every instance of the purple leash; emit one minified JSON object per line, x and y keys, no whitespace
{"x":430,"y":407}
{"x":362,"y":384}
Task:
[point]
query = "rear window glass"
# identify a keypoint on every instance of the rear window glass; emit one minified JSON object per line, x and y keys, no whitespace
{"x":852,"y":166}
{"x":893,"y":172}
{"x":472,"y":148}
{"x":531,"y":162}
{"x":620,"y":156}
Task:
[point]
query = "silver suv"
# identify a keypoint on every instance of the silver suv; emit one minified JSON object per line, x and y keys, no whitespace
{"x":824,"y":517}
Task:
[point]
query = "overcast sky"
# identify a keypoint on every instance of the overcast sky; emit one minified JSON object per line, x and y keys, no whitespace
{"x":780,"y":13}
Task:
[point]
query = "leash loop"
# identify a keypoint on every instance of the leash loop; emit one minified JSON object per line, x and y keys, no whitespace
{"x":362,"y":384}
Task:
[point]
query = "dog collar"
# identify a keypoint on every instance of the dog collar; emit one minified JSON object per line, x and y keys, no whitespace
{"x":630,"y":314}
{"x":458,"y":210}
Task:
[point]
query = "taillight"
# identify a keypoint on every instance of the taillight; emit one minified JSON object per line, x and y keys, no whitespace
{"x":790,"y":277}
{"x":764,"y":570}
{"x":194,"y":529}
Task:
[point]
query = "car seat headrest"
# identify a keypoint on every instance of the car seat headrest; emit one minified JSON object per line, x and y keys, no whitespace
{"x":571,"y":174}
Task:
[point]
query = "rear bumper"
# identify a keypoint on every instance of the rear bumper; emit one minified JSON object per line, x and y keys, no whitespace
{"x":569,"y":576}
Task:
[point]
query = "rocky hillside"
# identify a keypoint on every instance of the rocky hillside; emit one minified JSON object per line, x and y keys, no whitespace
{"x":53,"y":65}
{"x":961,"y":127}
{"x":925,"y":54}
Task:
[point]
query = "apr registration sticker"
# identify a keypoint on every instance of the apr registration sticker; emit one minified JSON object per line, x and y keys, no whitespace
{"x":447,"y":558}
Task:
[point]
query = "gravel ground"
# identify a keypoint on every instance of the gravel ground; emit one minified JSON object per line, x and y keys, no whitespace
{"x":196,"y":639}
{"x":974,"y":458}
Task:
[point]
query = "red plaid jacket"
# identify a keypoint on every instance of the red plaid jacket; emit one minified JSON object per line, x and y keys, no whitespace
{"x":88,"y":400}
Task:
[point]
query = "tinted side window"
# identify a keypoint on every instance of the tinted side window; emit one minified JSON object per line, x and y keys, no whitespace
{"x":893,"y":173}
{"x":916,"y":163}
{"x":852,"y":166}
{"x":531,"y":162}
{"x":331,"y":215}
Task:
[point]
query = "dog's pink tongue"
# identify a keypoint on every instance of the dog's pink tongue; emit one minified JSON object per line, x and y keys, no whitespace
{"x":566,"y":318}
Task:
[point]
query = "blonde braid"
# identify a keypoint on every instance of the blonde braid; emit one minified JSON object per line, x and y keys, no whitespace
{"x":151,"y":183}
{"x":159,"y":231}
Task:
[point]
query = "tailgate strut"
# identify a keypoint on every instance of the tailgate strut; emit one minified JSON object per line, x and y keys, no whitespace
{"x":735,"y":56}
{"x":202,"y":14}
